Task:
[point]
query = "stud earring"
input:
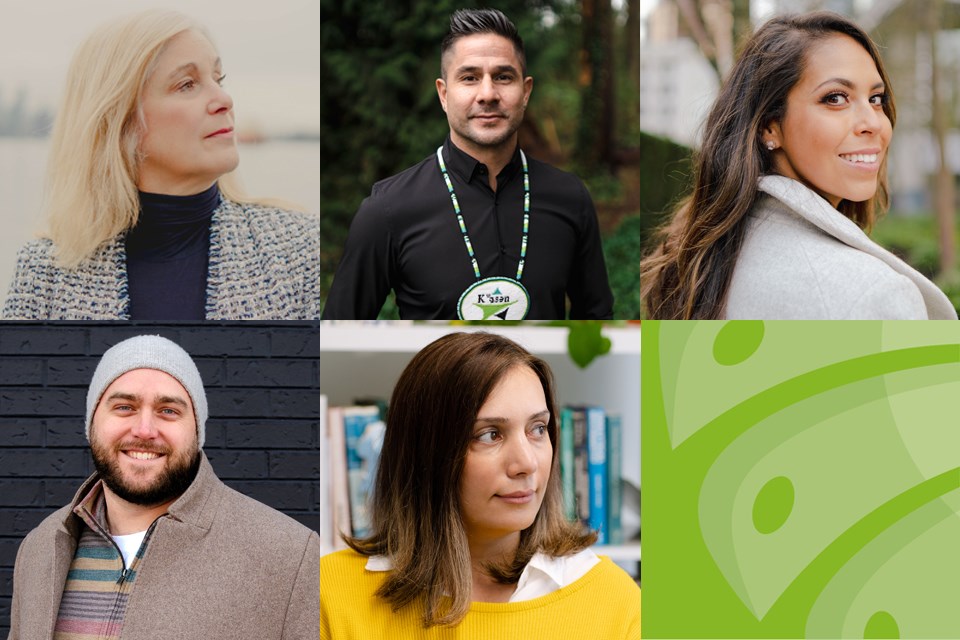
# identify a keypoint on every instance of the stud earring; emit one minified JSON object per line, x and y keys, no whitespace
{"x":771,"y":145}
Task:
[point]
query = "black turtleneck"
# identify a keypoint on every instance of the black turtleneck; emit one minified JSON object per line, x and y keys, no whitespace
{"x":167,"y":254}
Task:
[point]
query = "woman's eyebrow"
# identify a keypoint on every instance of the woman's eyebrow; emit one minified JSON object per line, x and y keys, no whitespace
{"x":499,"y":420}
{"x":846,"y":83}
{"x":191,"y":66}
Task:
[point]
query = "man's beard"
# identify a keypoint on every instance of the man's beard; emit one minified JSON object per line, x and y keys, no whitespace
{"x":481,"y":140}
{"x":176,"y":478}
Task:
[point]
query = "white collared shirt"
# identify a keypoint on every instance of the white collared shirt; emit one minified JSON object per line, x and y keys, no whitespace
{"x":543,"y":574}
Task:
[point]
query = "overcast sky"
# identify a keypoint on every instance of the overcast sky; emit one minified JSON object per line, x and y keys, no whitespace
{"x":270,"y":50}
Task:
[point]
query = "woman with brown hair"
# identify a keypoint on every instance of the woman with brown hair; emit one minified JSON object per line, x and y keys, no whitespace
{"x":468,"y":529}
{"x":790,"y":176}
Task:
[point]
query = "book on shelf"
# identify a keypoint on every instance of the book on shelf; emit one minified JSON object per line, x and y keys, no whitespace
{"x":614,"y":475}
{"x":567,"y":465}
{"x":597,"y":470}
{"x":581,"y":464}
{"x":591,"y":442}
{"x":363,"y":431}
{"x":338,"y":492}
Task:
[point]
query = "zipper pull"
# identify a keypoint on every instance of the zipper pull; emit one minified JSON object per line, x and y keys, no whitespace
{"x":123,"y":575}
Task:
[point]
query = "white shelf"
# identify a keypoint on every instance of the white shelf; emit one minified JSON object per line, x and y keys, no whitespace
{"x":618,"y":552}
{"x":399,"y":337}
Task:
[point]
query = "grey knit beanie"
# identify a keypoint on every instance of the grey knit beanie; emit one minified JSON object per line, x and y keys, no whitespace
{"x":149,"y":352}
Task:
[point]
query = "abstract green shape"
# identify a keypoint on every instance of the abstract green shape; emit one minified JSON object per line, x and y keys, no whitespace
{"x":881,"y":625}
{"x":737,"y":341}
{"x":773,"y":505}
{"x":891,"y":388}
{"x":818,"y":443}
{"x":491,"y":309}
{"x":909,"y":568}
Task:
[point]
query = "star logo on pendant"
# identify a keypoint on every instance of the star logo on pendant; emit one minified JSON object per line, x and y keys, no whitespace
{"x":499,"y":310}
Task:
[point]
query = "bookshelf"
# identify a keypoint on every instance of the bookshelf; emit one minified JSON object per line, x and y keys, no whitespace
{"x":366,"y":359}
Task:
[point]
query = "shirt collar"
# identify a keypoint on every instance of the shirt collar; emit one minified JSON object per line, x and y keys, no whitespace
{"x":549,"y":566}
{"x":91,"y":508}
{"x":469,"y":168}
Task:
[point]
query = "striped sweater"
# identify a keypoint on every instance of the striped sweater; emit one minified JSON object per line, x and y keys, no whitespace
{"x":264,"y":264}
{"x":98,"y":586}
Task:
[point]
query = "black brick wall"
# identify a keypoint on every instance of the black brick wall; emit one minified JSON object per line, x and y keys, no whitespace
{"x":262,"y":434}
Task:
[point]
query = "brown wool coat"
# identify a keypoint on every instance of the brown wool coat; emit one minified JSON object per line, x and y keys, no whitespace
{"x":221,"y":566}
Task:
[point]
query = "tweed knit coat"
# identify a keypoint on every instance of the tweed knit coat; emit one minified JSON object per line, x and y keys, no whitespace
{"x":264,"y":264}
{"x":801,"y":259}
{"x":219,"y":566}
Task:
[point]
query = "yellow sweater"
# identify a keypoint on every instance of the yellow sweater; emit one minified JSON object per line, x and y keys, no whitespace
{"x":602,"y":605}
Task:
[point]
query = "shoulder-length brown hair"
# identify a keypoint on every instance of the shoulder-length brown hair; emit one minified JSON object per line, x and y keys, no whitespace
{"x":687,"y":273}
{"x":416,"y":510}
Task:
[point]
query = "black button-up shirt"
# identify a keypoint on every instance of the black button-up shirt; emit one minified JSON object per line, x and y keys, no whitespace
{"x":405,"y":236}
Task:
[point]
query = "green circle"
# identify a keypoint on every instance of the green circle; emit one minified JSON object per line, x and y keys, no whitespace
{"x":737,"y":341}
{"x":881,"y":625}
{"x":773,"y":505}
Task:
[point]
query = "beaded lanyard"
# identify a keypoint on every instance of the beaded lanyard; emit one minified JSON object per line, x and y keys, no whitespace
{"x":463,"y":226}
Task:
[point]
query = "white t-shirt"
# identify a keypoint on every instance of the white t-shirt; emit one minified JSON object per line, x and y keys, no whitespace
{"x":129,"y":545}
{"x":543,"y":574}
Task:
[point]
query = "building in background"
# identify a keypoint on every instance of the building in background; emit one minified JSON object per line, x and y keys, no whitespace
{"x":677,"y":84}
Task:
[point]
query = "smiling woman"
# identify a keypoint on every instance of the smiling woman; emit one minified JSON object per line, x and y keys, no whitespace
{"x":143,"y":223}
{"x":468,"y":530}
{"x":789,"y":179}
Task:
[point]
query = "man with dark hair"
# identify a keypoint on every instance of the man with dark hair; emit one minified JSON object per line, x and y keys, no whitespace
{"x":477,"y":231}
{"x":154,"y":545}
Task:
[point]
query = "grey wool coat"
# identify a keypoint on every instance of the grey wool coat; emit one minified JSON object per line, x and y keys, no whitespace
{"x":801,"y":259}
{"x":219,"y":566}
{"x":264,"y":264}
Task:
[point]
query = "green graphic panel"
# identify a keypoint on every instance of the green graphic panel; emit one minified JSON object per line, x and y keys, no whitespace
{"x":801,"y":479}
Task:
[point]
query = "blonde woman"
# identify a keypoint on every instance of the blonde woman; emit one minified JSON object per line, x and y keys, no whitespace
{"x":141,"y":226}
{"x":468,"y":537}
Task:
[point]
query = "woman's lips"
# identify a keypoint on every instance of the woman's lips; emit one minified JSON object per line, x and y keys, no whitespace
{"x":865,"y":160}
{"x":222,"y":133}
{"x":519,"y":497}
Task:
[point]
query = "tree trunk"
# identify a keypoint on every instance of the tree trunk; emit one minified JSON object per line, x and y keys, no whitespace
{"x":633,"y":41}
{"x":597,"y":97}
{"x":944,"y":189}
{"x":742,"y":27}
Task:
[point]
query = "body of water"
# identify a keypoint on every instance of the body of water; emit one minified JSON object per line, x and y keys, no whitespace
{"x":286,"y":170}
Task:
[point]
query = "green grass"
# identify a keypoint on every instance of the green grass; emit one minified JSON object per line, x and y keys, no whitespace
{"x":914,"y":239}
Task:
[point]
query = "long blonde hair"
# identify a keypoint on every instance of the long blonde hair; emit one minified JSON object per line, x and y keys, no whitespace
{"x":92,"y":172}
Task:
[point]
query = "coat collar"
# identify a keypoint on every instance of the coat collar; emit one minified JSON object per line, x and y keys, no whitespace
{"x":108,"y":270}
{"x":196,"y":507}
{"x":796,"y":199}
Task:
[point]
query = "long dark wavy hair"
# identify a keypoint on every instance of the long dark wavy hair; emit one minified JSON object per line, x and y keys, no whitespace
{"x":416,"y":518}
{"x":687,"y":273}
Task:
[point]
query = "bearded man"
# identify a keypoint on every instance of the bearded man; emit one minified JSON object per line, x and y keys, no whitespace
{"x":477,"y":231}
{"x":154,"y":545}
